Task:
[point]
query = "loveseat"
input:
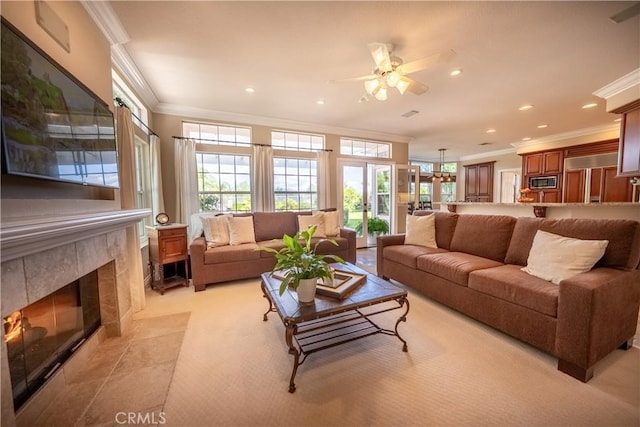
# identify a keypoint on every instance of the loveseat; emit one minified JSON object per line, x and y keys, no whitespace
{"x":477,"y":270}
{"x":227,"y":262}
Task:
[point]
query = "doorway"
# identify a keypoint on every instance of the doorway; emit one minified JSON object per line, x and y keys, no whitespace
{"x":365,"y":192}
{"x":509,"y":185}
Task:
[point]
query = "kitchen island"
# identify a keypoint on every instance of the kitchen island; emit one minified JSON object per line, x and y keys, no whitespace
{"x":621,"y":210}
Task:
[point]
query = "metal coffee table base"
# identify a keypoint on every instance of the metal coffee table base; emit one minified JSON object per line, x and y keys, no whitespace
{"x":305,"y":338}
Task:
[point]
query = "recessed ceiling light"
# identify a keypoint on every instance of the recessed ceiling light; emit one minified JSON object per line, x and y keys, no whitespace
{"x":320,"y":102}
{"x":455,"y":73}
{"x":542,"y":126}
{"x":525,"y":107}
{"x":249,"y":90}
{"x":491,"y":130}
{"x":526,"y":138}
{"x":589,"y":105}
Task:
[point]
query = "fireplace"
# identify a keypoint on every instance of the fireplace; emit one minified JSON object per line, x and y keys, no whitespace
{"x":50,"y":268}
{"x":43,"y":335}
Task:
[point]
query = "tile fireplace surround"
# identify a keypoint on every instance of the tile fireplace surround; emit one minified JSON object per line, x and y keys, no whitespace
{"x":39,"y":256}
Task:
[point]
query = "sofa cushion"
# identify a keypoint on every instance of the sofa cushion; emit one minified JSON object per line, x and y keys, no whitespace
{"x":445,"y":226}
{"x":454,"y":266}
{"x":331,"y":222}
{"x":274,"y":225}
{"x":623,"y":235}
{"x":421,"y":231}
{"x":329,"y":248}
{"x":216,"y":230}
{"x":555,"y":258}
{"x":508,"y":283}
{"x":220,"y":255}
{"x":241,"y":230}
{"x":306,"y":221}
{"x":274,"y":244}
{"x":487,"y":236}
{"x":408,"y":254}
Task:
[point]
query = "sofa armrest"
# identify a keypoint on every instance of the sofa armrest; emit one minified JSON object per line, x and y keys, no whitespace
{"x":597,"y":312}
{"x":197,"y":248}
{"x":381,"y":243}
{"x":350,"y":235}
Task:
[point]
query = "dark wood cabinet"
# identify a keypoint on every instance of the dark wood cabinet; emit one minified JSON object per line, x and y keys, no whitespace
{"x":546,"y":163}
{"x":168,"y":246}
{"x":533,"y":164}
{"x":615,"y":188}
{"x":629,"y":148}
{"x":552,"y":162}
{"x":479,"y":182}
{"x":574,"y":186}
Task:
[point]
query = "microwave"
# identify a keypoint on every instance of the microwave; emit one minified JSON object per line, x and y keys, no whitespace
{"x":543,"y":182}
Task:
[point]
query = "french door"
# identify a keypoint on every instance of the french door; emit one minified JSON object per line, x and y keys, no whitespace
{"x":364,"y":192}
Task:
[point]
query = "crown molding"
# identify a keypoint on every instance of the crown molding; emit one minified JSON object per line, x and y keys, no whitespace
{"x":623,"y":83}
{"x":107,"y":21}
{"x":123,"y":63}
{"x":284,"y":124}
{"x":566,"y":135}
{"x":488,"y":154}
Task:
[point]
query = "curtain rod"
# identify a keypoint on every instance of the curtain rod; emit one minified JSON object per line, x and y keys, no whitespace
{"x":121,"y":103}
{"x":248,"y":143}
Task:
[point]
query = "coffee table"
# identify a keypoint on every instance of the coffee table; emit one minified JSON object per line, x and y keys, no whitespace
{"x":329,"y":321}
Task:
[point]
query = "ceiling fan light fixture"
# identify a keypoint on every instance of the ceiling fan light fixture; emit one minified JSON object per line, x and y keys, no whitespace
{"x":402,"y":86}
{"x":371,"y":85}
{"x":381,"y":94}
{"x":393,"y":78}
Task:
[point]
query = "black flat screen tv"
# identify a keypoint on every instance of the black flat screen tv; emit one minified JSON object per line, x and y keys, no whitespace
{"x":53,"y":126}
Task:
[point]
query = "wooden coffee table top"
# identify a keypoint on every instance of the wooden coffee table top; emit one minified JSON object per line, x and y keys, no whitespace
{"x":374,"y":291}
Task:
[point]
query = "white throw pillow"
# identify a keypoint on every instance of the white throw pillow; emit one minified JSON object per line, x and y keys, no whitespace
{"x":241,"y":230}
{"x":421,"y":231}
{"x":331,"y":222}
{"x":196,"y":224}
{"x":306,"y":221}
{"x":216,"y":230}
{"x":555,"y":258}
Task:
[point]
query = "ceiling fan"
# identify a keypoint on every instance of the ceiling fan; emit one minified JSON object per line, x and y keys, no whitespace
{"x":391,"y":72}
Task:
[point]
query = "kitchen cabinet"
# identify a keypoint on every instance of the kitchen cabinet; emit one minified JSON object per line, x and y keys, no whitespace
{"x":629,"y":148}
{"x":615,"y":188}
{"x":549,"y":162}
{"x":479,"y":182}
{"x":574,"y":184}
{"x":603,"y":186}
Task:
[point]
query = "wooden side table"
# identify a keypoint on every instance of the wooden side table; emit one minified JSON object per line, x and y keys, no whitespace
{"x":168,"y":245}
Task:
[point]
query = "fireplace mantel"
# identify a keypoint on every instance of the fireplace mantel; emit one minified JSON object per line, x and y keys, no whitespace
{"x":27,"y":236}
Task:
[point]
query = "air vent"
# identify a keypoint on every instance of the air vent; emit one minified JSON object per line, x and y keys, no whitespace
{"x":410,"y":113}
{"x":485,"y":143}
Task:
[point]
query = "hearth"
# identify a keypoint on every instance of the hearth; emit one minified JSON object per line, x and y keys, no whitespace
{"x":43,"y":335}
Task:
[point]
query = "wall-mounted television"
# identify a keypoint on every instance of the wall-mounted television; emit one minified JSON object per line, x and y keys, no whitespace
{"x":53,"y":126}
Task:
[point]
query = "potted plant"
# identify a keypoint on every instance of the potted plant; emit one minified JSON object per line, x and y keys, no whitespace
{"x":299,"y":264}
{"x":375,"y":227}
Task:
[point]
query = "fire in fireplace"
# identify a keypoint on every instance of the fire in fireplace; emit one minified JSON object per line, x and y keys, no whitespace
{"x":43,"y":335}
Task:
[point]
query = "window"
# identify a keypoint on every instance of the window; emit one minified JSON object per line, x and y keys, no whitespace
{"x":217,"y":134}
{"x":356,"y":147}
{"x":224,"y":182}
{"x":143,"y":183}
{"x":426,"y":187}
{"x":295,"y":184}
{"x":296,"y":141}
{"x":122,"y":91}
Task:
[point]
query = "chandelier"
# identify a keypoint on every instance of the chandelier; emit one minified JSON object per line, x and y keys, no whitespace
{"x":440,"y":174}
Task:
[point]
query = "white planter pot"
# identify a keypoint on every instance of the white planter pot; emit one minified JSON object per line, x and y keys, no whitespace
{"x":307,"y":290}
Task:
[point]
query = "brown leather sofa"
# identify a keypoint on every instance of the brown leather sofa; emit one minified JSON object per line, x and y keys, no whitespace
{"x":225,"y":263}
{"x":476,"y":270}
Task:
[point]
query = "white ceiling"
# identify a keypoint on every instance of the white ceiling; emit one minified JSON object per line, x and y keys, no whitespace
{"x":200,"y":57}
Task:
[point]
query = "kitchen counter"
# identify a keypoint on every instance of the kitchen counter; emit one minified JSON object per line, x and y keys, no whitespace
{"x":623,"y":210}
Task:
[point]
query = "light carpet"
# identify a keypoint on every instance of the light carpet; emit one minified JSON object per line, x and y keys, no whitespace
{"x":234,"y":369}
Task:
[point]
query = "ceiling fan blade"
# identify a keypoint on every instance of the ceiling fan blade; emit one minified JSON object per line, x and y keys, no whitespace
{"x":629,"y":12}
{"x":415,"y":87}
{"x":380,"y":54}
{"x":421,"y":64}
{"x":355,"y":79}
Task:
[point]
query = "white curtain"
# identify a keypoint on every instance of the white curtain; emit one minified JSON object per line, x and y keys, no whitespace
{"x":186,"y":180}
{"x":262,"y":185}
{"x":324,"y":180}
{"x":128,"y":195}
{"x":157,"y":197}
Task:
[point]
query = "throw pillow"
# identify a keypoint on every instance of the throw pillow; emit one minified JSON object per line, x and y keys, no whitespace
{"x":554,"y":258}
{"x":306,"y":221}
{"x":241,"y":230}
{"x":421,"y":231}
{"x":331,"y":222}
{"x":216,"y":230}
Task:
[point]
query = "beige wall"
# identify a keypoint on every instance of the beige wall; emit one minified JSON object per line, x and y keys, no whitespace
{"x":90,"y":62}
{"x":167,"y":126}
